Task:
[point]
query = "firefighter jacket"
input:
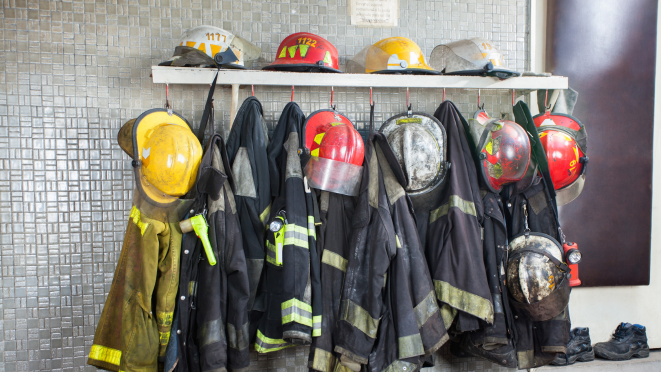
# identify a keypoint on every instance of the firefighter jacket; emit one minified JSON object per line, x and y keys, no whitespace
{"x":246,"y":148}
{"x":494,"y":342}
{"x":134,"y":328}
{"x":537,"y":343}
{"x":388,"y":317}
{"x":453,"y":238}
{"x":336,"y":212}
{"x":291,"y":293}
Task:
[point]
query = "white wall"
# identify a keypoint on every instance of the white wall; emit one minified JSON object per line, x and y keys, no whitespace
{"x":603,"y":308}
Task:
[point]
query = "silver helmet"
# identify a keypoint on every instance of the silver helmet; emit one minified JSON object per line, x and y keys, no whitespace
{"x":476,"y":56}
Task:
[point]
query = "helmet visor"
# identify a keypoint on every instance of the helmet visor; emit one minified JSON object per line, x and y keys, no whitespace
{"x":334,"y":176}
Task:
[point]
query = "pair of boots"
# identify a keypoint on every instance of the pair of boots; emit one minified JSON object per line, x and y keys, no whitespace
{"x":628,"y":340}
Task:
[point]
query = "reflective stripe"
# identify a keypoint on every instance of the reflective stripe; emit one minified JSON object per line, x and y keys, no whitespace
{"x":448,"y":313}
{"x":272,"y":254}
{"x":464,"y":301}
{"x":264,"y":344}
{"x":265,"y":214}
{"x":323,"y":360}
{"x":397,"y":243}
{"x":296,"y":311}
{"x":400,"y":366}
{"x":238,"y":339}
{"x":192,"y":288}
{"x":425,"y":309}
{"x":455,"y":201}
{"x":135,"y":216}
{"x":164,"y":337}
{"x":333,"y":259}
{"x":105,"y":354}
{"x":410,"y":346}
{"x":316,"y":326}
{"x":211,"y":332}
{"x":359,"y":318}
{"x":311,"y":227}
{"x":164,"y":318}
{"x":296,"y":235}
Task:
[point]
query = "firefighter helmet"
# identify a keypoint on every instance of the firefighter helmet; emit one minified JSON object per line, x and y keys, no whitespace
{"x":503,"y":150}
{"x":537,"y":276}
{"x":166,"y":154}
{"x":419,"y":143}
{"x":393,"y":55}
{"x":337,"y":153}
{"x":564,"y":139}
{"x":199,"y":45}
{"x":305,"y":52}
{"x":476,"y":56}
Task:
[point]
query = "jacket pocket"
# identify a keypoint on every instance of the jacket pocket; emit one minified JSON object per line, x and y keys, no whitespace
{"x":141,"y":335}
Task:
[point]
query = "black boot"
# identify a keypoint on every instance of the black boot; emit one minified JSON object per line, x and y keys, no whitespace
{"x":628,"y":340}
{"x":579,"y":348}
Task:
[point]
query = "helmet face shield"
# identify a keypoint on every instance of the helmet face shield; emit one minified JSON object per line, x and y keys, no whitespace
{"x":419,"y":143}
{"x":394,"y":55}
{"x":475,"y":56}
{"x":333,"y":175}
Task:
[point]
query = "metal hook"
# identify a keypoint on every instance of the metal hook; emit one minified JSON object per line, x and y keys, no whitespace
{"x":253,"y":90}
{"x":409,"y":111}
{"x":167,"y":99}
{"x":478,"y":98}
{"x":371,"y":101}
{"x":546,"y":101}
{"x":292,"y":93}
{"x":513,"y":94}
{"x":443,"y":94}
{"x":331,"y":105}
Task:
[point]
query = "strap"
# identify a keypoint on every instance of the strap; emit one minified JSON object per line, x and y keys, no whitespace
{"x":208,"y":111}
{"x":561,"y":265}
{"x":371,"y":118}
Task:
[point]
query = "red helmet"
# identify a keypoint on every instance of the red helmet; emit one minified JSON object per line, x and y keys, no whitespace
{"x":337,"y":153}
{"x":305,"y":52}
{"x":503,"y":150}
{"x":565,"y":142}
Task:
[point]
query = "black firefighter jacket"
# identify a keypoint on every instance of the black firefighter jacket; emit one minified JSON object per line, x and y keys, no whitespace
{"x":291,"y":295}
{"x":246,"y":148}
{"x":213,"y":300}
{"x":537,"y":343}
{"x":336,"y":212}
{"x":389,"y":317}
{"x":453,"y":242}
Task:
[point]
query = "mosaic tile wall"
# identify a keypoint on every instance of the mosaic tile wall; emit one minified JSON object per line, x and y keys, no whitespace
{"x":71,"y":73}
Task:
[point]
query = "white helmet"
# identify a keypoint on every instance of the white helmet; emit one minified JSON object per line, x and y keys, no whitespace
{"x":476,"y":56}
{"x":199,"y":45}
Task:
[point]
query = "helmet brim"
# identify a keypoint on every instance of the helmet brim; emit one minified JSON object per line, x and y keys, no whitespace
{"x":409,"y":71}
{"x":299,"y":67}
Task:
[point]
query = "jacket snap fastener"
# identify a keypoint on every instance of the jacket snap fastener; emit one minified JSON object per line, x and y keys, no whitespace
{"x":183,"y":298}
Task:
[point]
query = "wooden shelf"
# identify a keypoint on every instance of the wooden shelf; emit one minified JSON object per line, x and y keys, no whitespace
{"x":191,"y":75}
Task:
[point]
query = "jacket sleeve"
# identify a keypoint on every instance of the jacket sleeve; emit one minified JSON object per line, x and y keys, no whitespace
{"x":167,"y":283}
{"x":372,"y":246}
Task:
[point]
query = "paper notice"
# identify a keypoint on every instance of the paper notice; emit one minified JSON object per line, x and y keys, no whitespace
{"x":374,"y":13}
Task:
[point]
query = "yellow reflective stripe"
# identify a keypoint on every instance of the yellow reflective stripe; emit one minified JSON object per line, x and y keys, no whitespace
{"x":333,"y":259}
{"x":316,"y":326}
{"x":467,"y":302}
{"x":359,"y":318}
{"x":135,"y":216}
{"x":296,"y":311}
{"x":192,"y":288}
{"x":448,"y":313}
{"x":323,"y":360}
{"x":311,"y":228}
{"x":164,"y":318}
{"x":410,"y":346}
{"x":397,"y":243}
{"x":105,"y":354}
{"x":296,"y":235}
{"x":425,"y":309}
{"x":264,"y":344}
{"x":273,"y":255}
{"x":164,"y":337}
{"x":455,"y":201}
{"x":265,"y":214}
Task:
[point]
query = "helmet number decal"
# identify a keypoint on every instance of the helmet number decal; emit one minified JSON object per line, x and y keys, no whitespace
{"x":216,"y":37}
{"x":306,"y":41}
{"x":486,"y":46}
{"x":551,"y":282}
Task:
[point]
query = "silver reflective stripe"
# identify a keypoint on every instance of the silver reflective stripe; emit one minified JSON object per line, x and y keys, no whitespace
{"x":242,"y":171}
{"x":425,"y":309}
{"x":238,"y":339}
{"x":210,"y":332}
{"x":296,"y":310}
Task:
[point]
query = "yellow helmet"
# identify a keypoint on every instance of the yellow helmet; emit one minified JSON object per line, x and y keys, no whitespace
{"x":166,"y":154}
{"x":393,"y":55}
